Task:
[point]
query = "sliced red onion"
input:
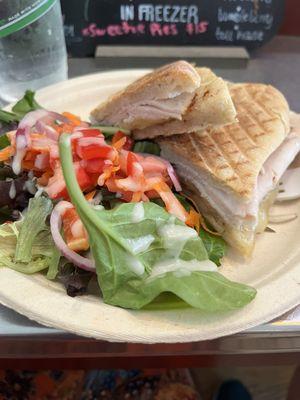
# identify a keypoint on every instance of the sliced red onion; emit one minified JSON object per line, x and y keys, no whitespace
{"x":76,"y":259}
{"x":173,"y":177}
{"x":171,"y":172}
{"x":32,"y":117}
{"x":50,"y":132}
{"x":21,"y":148}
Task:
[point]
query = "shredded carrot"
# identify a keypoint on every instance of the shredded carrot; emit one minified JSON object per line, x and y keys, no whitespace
{"x":6,"y":153}
{"x":119,"y":144}
{"x":73,"y":118}
{"x":136,"y":197}
{"x":193,"y":219}
{"x":201,"y":219}
{"x":90,"y":195}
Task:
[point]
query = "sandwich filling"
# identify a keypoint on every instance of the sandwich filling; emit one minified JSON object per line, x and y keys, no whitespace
{"x":234,"y":210}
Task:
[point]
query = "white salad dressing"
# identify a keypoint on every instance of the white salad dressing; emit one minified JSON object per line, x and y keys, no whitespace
{"x":181,"y":267}
{"x":174,"y":237}
{"x":40,"y":190}
{"x":12,"y":190}
{"x":30,"y":186}
{"x":140,"y":244}
{"x":17,"y":161}
{"x":138,"y":213}
{"x":135,"y":265}
{"x":77,"y":228}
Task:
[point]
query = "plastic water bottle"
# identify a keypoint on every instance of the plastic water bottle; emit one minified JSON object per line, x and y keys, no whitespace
{"x":32,"y":46}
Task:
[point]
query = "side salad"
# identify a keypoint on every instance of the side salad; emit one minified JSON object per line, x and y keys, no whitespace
{"x":85,"y":204}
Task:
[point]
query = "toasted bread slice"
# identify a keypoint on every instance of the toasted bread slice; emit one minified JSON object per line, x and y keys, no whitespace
{"x":225,"y":166}
{"x":159,"y":96}
{"x":211,"y":106}
{"x":233,"y":155}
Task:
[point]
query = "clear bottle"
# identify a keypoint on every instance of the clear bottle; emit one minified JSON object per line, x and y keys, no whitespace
{"x":32,"y":46}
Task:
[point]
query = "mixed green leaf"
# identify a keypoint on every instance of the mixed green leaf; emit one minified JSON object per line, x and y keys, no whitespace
{"x":27,"y":245}
{"x":9,"y":120}
{"x":127,"y":276}
{"x":147,"y":147}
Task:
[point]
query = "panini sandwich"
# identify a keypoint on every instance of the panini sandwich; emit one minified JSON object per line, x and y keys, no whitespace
{"x":233,"y":171}
{"x":173,"y":99}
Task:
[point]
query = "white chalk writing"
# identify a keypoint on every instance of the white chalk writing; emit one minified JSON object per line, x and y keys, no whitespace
{"x":168,"y":13}
{"x":243,"y":16}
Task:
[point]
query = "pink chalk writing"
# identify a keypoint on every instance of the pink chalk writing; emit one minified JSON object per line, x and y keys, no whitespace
{"x":195,"y":29}
{"x":113,"y":30}
{"x":156,"y":29}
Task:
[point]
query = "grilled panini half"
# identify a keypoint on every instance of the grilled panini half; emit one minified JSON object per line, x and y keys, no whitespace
{"x":233,"y":171}
{"x":211,"y":106}
{"x":176,"y":98}
{"x":159,"y":96}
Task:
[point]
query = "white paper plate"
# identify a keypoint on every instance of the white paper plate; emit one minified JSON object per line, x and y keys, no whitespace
{"x":274,"y":269}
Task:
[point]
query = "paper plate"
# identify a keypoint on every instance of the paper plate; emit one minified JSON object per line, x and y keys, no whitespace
{"x":274,"y":269}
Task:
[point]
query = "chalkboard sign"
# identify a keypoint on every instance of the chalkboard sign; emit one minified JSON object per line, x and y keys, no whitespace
{"x":248,"y":23}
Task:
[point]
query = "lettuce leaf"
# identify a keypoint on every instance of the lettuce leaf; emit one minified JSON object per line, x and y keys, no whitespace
{"x":124,"y":275}
{"x":215,"y":246}
{"x":33,"y":223}
{"x":38,"y":244}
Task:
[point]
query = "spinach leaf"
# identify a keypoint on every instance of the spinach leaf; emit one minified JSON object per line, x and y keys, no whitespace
{"x":4,"y":142}
{"x":26,"y":104}
{"x":125,"y":276}
{"x":215,"y":246}
{"x":109,"y":131}
{"x":8,"y":117}
{"x":146,"y":146}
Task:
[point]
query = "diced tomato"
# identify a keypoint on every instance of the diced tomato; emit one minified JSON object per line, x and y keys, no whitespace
{"x":91,"y":132}
{"x":90,"y":152}
{"x":88,"y":148}
{"x":96,"y":165}
{"x":56,"y":187}
{"x":74,"y":232}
